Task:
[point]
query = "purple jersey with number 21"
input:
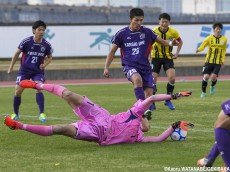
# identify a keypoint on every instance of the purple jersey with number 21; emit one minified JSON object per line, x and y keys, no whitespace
{"x":33,"y":55}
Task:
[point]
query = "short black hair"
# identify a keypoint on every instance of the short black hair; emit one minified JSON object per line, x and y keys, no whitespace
{"x":38,"y":24}
{"x":220,"y":25}
{"x":165,"y":16}
{"x":136,"y":12}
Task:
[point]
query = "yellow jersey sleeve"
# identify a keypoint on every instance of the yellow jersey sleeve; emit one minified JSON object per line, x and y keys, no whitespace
{"x":224,"y":48}
{"x":204,"y":44}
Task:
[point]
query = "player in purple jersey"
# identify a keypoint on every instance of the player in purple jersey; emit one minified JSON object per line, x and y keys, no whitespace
{"x":97,"y":125}
{"x":222,"y":137}
{"x":135,"y":42}
{"x":36,"y":55}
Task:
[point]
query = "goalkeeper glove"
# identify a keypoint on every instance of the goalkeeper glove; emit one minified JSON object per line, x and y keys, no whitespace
{"x":181,"y":94}
{"x":182,"y":124}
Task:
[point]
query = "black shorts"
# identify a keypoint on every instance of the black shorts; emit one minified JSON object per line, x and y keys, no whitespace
{"x":211,"y":68}
{"x":158,"y":62}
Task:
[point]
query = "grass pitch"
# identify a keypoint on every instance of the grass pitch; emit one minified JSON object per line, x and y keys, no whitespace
{"x":23,"y":151}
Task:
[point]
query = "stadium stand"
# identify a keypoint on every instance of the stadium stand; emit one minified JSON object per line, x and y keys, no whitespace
{"x":19,"y":11}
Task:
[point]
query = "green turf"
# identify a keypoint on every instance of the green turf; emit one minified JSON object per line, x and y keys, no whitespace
{"x":22,"y":151}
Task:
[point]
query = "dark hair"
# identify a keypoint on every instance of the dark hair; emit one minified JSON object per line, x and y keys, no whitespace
{"x":220,"y":25}
{"x":38,"y":24}
{"x":165,"y":16}
{"x":136,"y":12}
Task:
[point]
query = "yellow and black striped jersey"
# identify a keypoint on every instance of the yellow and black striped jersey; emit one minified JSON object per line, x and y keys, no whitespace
{"x":217,"y":49}
{"x":160,"y":51}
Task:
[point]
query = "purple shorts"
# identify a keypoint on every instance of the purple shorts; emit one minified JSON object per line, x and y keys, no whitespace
{"x":95,"y":122}
{"x":34,"y":77}
{"x":226,"y":107}
{"x":146,"y":75}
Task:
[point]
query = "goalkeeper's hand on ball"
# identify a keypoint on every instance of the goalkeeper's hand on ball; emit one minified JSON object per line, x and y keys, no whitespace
{"x":181,"y":94}
{"x":182,"y":124}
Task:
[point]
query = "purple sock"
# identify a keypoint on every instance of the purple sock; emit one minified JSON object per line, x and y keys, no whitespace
{"x":213,"y":154}
{"x":223,"y":141}
{"x":37,"y":129}
{"x":17,"y":102}
{"x":139,"y":93}
{"x":40,"y":101}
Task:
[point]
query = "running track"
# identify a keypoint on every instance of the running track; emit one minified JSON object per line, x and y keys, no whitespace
{"x":113,"y":80}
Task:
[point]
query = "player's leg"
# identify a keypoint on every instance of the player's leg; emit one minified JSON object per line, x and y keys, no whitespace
{"x":66,"y":130}
{"x":39,"y":78}
{"x":222,"y":132}
{"x":71,"y":98}
{"x":161,"y":97}
{"x":204,"y":85}
{"x":17,"y":102}
{"x":156,"y":68}
{"x":132,"y":74}
{"x":140,"y":107}
{"x":41,"y":105}
{"x":170,"y":72}
{"x":148,"y":85}
{"x":154,"y":98}
{"x":17,"y":96}
{"x":82,"y":106}
{"x":207,"y":69}
{"x":210,"y":158}
{"x":214,"y":77}
{"x":223,"y":141}
{"x":149,"y":92}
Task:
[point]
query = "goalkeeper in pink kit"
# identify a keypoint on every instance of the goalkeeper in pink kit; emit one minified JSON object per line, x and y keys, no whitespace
{"x":97,"y":125}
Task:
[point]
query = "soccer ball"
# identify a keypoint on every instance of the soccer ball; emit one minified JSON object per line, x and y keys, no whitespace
{"x":179,"y":134}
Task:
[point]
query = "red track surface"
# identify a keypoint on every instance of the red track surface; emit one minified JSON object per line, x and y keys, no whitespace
{"x":114,"y":80}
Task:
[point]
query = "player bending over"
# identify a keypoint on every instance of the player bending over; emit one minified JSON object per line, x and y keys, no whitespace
{"x":97,"y":125}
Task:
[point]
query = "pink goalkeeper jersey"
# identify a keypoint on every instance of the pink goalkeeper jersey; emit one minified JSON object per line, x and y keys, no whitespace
{"x":121,"y":132}
{"x":99,"y":126}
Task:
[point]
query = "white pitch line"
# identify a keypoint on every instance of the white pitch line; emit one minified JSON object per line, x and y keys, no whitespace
{"x":55,"y":118}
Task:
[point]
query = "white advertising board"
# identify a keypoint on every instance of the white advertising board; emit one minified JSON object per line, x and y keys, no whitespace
{"x":86,"y":41}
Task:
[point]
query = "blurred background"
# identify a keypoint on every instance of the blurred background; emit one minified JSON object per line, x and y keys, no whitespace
{"x":80,"y":32}
{"x":111,"y":11}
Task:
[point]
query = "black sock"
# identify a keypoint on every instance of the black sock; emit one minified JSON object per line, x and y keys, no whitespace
{"x":204,"y":85}
{"x":170,"y":88}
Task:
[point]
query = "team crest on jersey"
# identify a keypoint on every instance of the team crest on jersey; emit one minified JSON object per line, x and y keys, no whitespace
{"x":222,"y":42}
{"x":142,"y":36}
{"x":211,"y":41}
{"x":43,"y":49}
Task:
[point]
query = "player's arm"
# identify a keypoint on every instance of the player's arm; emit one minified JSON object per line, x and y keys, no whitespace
{"x":13,"y":61}
{"x":166,"y":42}
{"x":224,"y":53}
{"x":178,"y":47}
{"x":47,"y":61}
{"x":163,"y":136}
{"x":109,"y":59}
{"x":223,"y":120}
{"x":203,"y":45}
